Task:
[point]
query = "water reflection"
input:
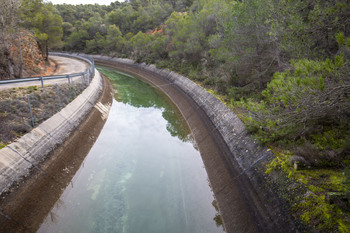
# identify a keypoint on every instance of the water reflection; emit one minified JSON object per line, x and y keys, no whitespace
{"x":130,"y":90}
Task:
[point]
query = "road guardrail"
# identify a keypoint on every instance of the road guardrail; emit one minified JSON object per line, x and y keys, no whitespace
{"x":87,"y":75}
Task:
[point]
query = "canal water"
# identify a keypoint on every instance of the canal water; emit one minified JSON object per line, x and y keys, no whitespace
{"x":143,"y":174}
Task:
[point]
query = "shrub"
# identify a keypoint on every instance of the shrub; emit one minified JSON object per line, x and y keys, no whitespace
{"x":307,"y":101}
{"x":347,"y":179}
{"x":21,"y":129}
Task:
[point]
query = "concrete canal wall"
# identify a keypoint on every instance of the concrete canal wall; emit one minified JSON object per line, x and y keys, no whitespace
{"x":18,"y":159}
{"x":236,"y":167}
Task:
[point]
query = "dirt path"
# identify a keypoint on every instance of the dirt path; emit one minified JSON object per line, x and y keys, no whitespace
{"x":67,"y":65}
{"x":64,"y":65}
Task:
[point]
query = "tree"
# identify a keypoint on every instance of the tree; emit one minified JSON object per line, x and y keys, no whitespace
{"x":114,"y":41}
{"x":309,"y":26}
{"x":141,"y":45}
{"x":67,"y":29}
{"x":96,"y":45}
{"x":68,"y":12}
{"x":247,"y":42}
{"x":77,"y":40}
{"x":8,"y":29}
{"x":302,"y":102}
{"x":95,"y":25}
{"x":123,"y":18}
{"x":158,"y":47}
{"x":45,"y":23}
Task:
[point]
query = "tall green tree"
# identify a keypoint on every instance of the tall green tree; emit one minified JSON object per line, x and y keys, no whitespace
{"x":97,"y":44}
{"x":48,"y":28}
{"x":308,"y":27}
{"x":77,"y":40}
{"x":8,"y":29}
{"x":247,"y":43}
{"x":115,"y":41}
{"x":141,"y":45}
{"x":46,"y":24}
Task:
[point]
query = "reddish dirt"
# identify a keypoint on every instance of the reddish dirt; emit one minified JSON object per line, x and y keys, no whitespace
{"x":50,"y":69}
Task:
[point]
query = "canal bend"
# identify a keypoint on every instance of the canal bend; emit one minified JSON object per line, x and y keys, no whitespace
{"x":143,"y":174}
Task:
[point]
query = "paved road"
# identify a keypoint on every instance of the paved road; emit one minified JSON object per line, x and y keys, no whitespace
{"x":65,"y":65}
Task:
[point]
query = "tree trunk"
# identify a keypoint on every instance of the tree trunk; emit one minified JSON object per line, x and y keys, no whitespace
{"x":7,"y":57}
{"x":46,"y":51}
{"x":20,"y":69}
{"x":10,"y":67}
{"x":260,"y":76}
{"x":9,"y":60}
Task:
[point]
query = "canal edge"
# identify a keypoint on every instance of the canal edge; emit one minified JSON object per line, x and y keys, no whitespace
{"x":24,"y":162}
{"x":241,"y":177}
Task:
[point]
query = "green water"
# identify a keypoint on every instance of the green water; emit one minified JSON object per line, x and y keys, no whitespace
{"x":143,"y":174}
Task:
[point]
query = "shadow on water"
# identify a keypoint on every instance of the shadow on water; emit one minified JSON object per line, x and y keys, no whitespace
{"x":25,"y":208}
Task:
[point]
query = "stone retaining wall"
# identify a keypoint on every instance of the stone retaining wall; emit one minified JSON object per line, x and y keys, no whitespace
{"x":19,"y":158}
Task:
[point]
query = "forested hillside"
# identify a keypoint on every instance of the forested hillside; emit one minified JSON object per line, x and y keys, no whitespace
{"x":27,"y":29}
{"x":283,"y":66}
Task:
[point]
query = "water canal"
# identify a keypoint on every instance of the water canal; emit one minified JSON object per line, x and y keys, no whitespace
{"x":143,"y":174}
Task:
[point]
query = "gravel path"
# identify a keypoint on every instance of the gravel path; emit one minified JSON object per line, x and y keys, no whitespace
{"x":67,"y":65}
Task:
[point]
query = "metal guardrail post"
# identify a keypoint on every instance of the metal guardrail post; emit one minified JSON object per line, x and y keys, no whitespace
{"x":82,"y":79}
{"x":90,"y":70}
{"x":68,"y":77}
{"x":73,"y":90}
{"x":86,"y":78}
{"x":30,"y":110}
{"x":58,"y":96}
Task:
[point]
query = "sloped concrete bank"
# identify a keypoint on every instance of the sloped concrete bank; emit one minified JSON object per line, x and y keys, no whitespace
{"x":24,"y":209}
{"x":19,"y":158}
{"x":234,"y":162}
{"x":35,"y":169}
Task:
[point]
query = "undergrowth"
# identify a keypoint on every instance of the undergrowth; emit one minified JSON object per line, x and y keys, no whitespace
{"x":15,"y":118}
{"x":307,"y":127}
{"x":323,"y":203}
{"x":303,"y":115}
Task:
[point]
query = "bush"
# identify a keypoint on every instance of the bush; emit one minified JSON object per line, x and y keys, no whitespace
{"x":15,"y":118}
{"x":21,"y":129}
{"x":309,"y":101}
{"x":347,"y":180}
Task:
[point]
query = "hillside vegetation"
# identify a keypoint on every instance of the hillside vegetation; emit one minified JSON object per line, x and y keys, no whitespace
{"x":283,"y":66}
{"x":26,"y":33}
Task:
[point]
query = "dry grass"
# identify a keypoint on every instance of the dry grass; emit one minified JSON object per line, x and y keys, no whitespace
{"x":15,"y":118}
